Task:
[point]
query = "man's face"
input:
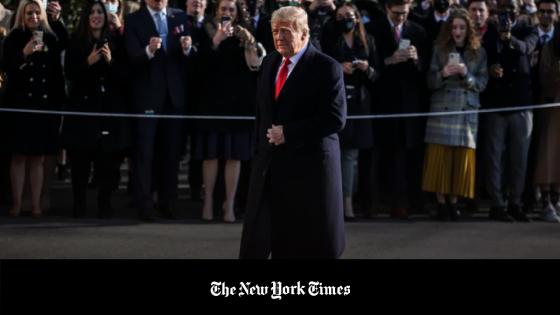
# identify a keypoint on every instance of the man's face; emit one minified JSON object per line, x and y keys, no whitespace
{"x":398,"y":13}
{"x":479,"y":13}
{"x":508,"y":7}
{"x":287,"y":40}
{"x":156,"y":5}
{"x":547,"y":14}
{"x":196,"y":7}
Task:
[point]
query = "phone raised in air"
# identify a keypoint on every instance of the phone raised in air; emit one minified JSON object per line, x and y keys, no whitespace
{"x":225,"y":19}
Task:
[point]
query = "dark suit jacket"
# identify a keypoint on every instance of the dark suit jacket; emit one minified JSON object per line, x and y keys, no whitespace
{"x":514,"y":88}
{"x":304,"y":174}
{"x":153,"y":80}
{"x":401,"y":88}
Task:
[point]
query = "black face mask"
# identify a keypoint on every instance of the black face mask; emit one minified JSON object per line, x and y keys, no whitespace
{"x":441,"y":6}
{"x":346,"y":25}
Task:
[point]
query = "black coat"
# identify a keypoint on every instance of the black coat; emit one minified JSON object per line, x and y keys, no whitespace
{"x":34,"y":83}
{"x":357,"y":134}
{"x":229,"y":88}
{"x":96,"y":88}
{"x":154,"y":80}
{"x":401,"y":87}
{"x":514,"y":88}
{"x":304,"y":174}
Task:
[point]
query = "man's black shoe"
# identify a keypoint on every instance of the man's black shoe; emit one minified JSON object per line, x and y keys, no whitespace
{"x":166,"y":212}
{"x":499,"y":214}
{"x":442,"y":214}
{"x":518,"y":214}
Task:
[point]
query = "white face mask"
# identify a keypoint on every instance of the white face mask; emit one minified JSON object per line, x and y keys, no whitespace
{"x":112,"y":7}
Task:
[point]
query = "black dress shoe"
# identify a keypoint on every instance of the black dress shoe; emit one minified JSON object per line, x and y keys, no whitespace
{"x":349,"y":219}
{"x":442,"y":214}
{"x":516,"y":213}
{"x":454,"y":213}
{"x":144,"y":216}
{"x":166,"y":213}
{"x":499,"y":214}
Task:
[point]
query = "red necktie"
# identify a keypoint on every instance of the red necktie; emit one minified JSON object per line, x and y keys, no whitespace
{"x":282,"y":77}
{"x":397,"y":34}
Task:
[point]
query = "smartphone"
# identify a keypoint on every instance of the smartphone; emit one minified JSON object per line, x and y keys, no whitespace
{"x":454,"y":58}
{"x":100,"y":43}
{"x":225,"y":19}
{"x":38,"y":37}
{"x":404,"y":43}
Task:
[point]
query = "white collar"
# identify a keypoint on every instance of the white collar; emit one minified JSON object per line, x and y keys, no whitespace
{"x":153,"y":12}
{"x":393,"y":24}
{"x":295,"y":58}
{"x":550,"y":33}
{"x":441,"y":18}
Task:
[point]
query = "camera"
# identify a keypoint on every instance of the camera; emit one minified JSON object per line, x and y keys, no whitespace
{"x":504,"y":22}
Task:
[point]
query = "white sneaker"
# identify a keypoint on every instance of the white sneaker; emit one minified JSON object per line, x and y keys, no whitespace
{"x":557,"y":208}
{"x":549,"y":214}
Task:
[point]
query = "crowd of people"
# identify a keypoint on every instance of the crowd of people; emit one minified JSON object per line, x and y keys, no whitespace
{"x":398,"y":57}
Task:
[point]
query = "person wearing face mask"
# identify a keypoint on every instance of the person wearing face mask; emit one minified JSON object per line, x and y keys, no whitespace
{"x":356,"y":52}
{"x":32,"y":60}
{"x":115,"y":10}
{"x":95,"y":66}
{"x":458,"y":73}
{"x":320,"y":12}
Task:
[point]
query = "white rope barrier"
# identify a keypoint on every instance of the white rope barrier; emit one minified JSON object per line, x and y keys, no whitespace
{"x":210,"y":117}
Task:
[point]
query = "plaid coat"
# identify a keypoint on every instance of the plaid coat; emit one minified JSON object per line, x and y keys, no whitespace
{"x":455,"y":94}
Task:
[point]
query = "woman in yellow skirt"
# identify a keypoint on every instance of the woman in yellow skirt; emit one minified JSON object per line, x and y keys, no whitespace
{"x":457,"y":75}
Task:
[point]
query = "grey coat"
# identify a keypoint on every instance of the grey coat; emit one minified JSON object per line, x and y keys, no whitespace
{"x":455,"y":94}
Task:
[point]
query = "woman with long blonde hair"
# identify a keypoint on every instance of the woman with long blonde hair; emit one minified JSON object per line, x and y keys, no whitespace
{"x":32,"y":60}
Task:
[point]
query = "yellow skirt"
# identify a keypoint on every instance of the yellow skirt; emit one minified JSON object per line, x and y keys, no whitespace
{"x":449,"y":170}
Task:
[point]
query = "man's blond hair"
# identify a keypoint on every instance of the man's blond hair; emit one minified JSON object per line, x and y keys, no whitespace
{"x":294,"y":15}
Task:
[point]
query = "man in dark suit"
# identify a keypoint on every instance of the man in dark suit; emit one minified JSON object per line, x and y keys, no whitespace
{"x":509,"y":47}
{"x":294,"y":207}
{"x":158,"y":50}
{"x":402,"y":47}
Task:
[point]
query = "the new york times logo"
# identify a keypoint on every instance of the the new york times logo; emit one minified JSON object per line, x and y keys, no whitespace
{"x":276,"y":289}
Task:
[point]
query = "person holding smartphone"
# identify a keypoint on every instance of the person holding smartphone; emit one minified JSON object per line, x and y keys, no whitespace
{"x":458,"y":73}
{"x":36,"y":82}
{"x":95,"y":66}
{"x":356,"y":52}
{"x":230,"y":92}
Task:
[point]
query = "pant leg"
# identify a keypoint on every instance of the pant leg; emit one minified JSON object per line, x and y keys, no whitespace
{"x":80,"y":162}
{"x":400,"y":173}
{"x":520,"y":130}
{"x":143,"y":156}
{"x":349,"y":158}
{"x":496,"y":127}
{"x":107,"y":165}
{"x":171,"y":138}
